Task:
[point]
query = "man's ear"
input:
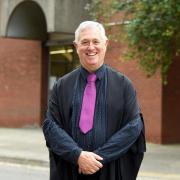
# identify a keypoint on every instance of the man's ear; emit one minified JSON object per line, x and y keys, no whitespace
{"x":75,"y":44}
{"x":107,"y":42}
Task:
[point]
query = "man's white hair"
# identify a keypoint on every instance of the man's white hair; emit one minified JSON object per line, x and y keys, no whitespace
{"x":90,"y":24}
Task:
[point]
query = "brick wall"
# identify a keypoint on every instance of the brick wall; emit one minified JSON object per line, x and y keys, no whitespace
{"x":20,"y":82}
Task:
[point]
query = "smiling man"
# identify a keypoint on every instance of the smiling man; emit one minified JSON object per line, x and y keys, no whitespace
{"x":91,"y":44}
{"x":93,"y":127}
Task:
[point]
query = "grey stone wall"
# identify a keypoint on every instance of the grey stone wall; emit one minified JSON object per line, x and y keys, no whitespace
{"x":61,"y":15}
{"x":69,"y":13}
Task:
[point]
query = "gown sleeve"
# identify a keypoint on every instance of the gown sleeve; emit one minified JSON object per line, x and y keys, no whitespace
{"x":57,"y":139}
{"x":121,"y":141}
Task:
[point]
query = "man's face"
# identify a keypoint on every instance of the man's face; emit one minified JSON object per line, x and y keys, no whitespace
{"x":91,"y":48}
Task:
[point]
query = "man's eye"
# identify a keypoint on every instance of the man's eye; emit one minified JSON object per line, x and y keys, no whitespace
{"x":96,"y":42}
{"x":84,"y":43}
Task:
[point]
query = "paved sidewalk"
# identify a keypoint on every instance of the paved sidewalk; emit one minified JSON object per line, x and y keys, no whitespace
{"x":161,"y":162}
{"x":27,"y":146}
{"x":24,"y":146}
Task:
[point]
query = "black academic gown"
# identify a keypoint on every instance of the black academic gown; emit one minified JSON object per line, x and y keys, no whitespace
{"x":124,"y":167}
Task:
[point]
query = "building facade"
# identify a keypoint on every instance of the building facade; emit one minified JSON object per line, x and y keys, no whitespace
{"x":36,"y":48}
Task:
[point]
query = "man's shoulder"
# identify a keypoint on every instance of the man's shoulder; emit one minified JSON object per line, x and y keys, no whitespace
{"x":67,"y":80}
{"x":115,"y":74}
{"x":69,"y":76}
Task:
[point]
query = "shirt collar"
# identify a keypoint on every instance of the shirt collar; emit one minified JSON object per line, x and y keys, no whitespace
{"x":99,"y":72}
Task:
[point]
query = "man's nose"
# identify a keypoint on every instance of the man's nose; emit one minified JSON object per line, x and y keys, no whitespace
{"x":91,"y":45}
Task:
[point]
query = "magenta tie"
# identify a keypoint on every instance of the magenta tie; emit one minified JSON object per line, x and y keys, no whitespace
{"x":88,"y":104}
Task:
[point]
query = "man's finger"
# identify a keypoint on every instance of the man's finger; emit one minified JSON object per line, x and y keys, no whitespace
{"x":98,"y":157}
{"x":79,"y":171}
{"x":100,"y":165}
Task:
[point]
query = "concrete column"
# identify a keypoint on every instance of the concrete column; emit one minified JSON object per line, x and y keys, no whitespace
{"x":171,"y":105}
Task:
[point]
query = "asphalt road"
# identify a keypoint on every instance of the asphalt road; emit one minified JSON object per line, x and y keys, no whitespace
{"x":11,"y":171}
{"x":23,"y":172}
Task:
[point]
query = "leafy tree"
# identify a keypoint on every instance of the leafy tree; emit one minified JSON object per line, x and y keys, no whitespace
{"x":151,"y":28}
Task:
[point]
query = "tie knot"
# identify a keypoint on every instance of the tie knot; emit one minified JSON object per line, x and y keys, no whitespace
{"x":91,"y":77}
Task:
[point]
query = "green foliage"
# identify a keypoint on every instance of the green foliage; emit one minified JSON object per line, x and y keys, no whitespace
{"x":152,"y":31}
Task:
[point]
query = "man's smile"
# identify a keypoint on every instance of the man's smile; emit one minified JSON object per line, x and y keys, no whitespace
{"x":91,"y":54}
